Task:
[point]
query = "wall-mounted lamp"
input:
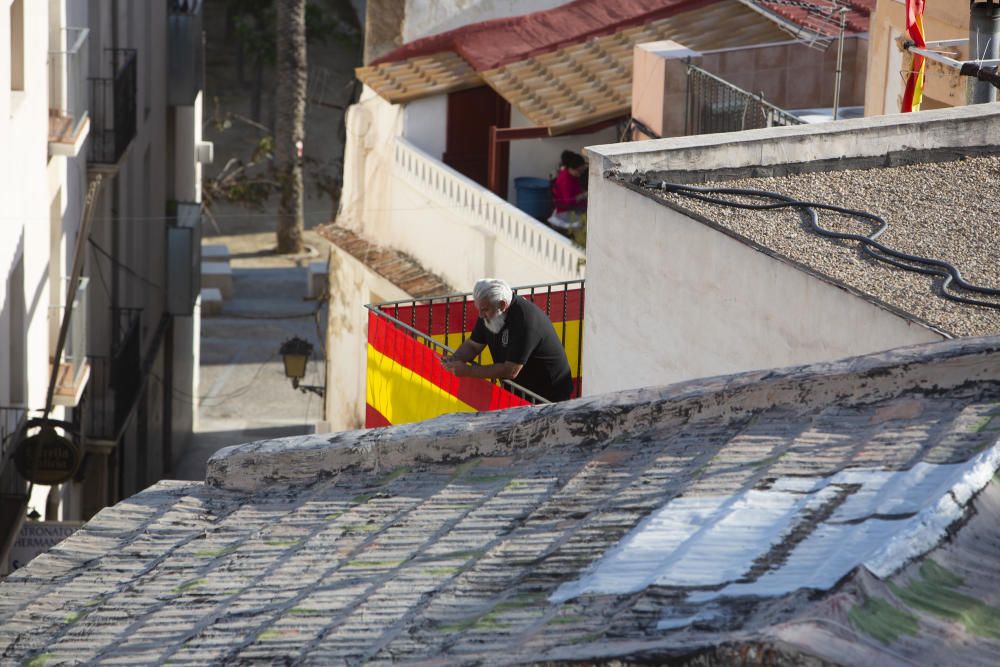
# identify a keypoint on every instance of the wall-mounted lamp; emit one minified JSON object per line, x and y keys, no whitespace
{"x":295,"y":353}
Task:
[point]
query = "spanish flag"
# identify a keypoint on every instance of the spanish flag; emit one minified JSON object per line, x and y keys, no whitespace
{"x":915,"y":79}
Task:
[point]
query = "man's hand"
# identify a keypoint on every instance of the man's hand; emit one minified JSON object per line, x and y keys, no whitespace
{"x":453,"y":365}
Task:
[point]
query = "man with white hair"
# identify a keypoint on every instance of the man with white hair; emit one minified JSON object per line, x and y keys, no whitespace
{"x":522,"y":341}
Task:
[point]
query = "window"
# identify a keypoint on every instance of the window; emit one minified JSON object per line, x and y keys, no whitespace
{"x":17,"y":45}
{"x":16,"y":333}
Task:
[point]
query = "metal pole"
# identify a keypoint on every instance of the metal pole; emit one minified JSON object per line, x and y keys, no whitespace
{"x":984,"y":44}
{"x":840,"y":63}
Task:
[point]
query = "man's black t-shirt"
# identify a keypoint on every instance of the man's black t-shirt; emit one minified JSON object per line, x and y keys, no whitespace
{"x":528,"y":338}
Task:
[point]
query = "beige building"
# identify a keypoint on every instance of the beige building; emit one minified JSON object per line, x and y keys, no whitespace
{"x":888,"y":63}
{"x":102,"y":123}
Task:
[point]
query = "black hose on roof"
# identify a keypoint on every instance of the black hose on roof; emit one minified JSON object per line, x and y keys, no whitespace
{"x":869,"y":243}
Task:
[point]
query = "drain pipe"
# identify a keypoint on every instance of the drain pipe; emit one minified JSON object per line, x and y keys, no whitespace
{"x":984,"y":44}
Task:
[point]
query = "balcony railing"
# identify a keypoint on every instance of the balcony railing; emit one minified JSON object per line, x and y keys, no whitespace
{"x":531,"y":238}
{"x":68,"y":67}
{"x":73,"y":369}
{"x":715,"y":105}
{"x":405,"y":380}
{"x":11,"y":421}
{"x":96,"y":416}
{"x":113,"y":105}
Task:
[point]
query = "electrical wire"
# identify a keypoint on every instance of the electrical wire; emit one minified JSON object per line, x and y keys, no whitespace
{"x":129,"y":270}
{"x":100,"y":275}
{"x":181,"y":395}
{"x":869,"y":244}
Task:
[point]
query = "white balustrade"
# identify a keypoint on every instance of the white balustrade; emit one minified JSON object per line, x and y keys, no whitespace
{"x":508,"y":222}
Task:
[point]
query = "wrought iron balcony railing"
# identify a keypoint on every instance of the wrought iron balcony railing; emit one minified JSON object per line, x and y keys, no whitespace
{"x":11,"y":421}
{"x":113,"y":106}
{"x":68,"y":117}
{"x":715,"y":105}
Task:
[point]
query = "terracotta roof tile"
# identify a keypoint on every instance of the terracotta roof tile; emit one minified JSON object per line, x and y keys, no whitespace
{"x":398,"y":268}
{"x":586,"y":83}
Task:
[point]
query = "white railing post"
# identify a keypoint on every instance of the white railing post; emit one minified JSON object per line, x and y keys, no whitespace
{"x":442,"y":182}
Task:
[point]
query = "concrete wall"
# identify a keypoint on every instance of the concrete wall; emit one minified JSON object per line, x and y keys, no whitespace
{"x":789,"y":75}
{"x":792,"y":75}
{"x":869,"y":139}
{"x":689,"y":301}
{"x":430,"y":17}
{"x":943,"y":87}
{"x":347,"y":340}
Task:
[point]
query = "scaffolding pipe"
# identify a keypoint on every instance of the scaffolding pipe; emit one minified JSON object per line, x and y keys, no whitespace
{"x":984,"y":44}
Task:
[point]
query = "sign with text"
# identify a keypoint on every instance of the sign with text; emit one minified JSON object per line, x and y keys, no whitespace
{"x":37,"y":537}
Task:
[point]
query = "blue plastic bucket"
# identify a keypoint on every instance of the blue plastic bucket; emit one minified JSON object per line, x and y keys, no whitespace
{"x":533,"y":196}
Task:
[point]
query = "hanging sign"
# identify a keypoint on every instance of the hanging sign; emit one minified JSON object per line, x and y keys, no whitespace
{"x":47,"y":457}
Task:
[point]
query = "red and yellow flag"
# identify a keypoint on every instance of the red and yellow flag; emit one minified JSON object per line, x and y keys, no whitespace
{"x":405,"y":380}
{"x":915,"y":79}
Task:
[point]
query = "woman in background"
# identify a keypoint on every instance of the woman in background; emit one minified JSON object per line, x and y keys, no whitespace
{"x":569,"y":194}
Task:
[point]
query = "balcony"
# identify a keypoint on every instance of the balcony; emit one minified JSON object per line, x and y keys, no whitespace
{"x":113,"y":105}
{"x":74,"y":369}
{"x":69,"y":122}
{"x":405,"y":381}
{"x":11,"y":421}
{"x":186,"y":70}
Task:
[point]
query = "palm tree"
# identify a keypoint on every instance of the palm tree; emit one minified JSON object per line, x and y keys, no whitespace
{"x":289,"y":126}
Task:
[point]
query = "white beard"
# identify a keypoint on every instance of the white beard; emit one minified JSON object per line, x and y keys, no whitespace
{"x":495,"y":324}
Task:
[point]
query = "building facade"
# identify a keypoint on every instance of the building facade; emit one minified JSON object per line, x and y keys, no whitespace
{"x":100,"y":283}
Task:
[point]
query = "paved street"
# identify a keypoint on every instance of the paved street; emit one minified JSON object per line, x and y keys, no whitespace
{"x":244,"y":395}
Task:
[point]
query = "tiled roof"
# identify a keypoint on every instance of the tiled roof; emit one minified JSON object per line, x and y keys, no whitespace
{"x":576,"y":85}
{"x":585,"y":83}
{"x":840,"y":511}
{"x":405,"y":80}
{"x":819,"y":17}
{"x":397,"y":267}
{"x":491,"y":44}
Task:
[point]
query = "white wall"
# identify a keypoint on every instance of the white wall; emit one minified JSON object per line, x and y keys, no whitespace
{"x":430,"y":17}
{"x":25,"y":191}
{"x":540,"y":157}
{"x":425,"y":123}
{"x":450,"y":224}
{"x":688,"y":301}
{"x":347,"y":337}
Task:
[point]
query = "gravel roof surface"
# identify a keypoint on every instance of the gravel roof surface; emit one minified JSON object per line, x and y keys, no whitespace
{"x":941,"y":210}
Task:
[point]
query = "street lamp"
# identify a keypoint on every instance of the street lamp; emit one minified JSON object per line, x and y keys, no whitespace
{"x":295,"y":353}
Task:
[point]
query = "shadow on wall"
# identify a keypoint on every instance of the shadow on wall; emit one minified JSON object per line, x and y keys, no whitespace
{"x":12,"y":328}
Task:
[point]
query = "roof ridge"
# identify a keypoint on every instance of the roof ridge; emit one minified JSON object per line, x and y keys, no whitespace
{"x":930,"y":367}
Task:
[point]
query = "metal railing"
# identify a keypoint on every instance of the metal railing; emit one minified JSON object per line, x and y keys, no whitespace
{"x":125,"y":323}
{"x":113,"y":105}
{"x":715,"y":105}
{"x":75,"y":351}
{"x":11,"y":421}
{"x":96,"y":410}
{"x":68,"y":68}
{"x":450,"y":308}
